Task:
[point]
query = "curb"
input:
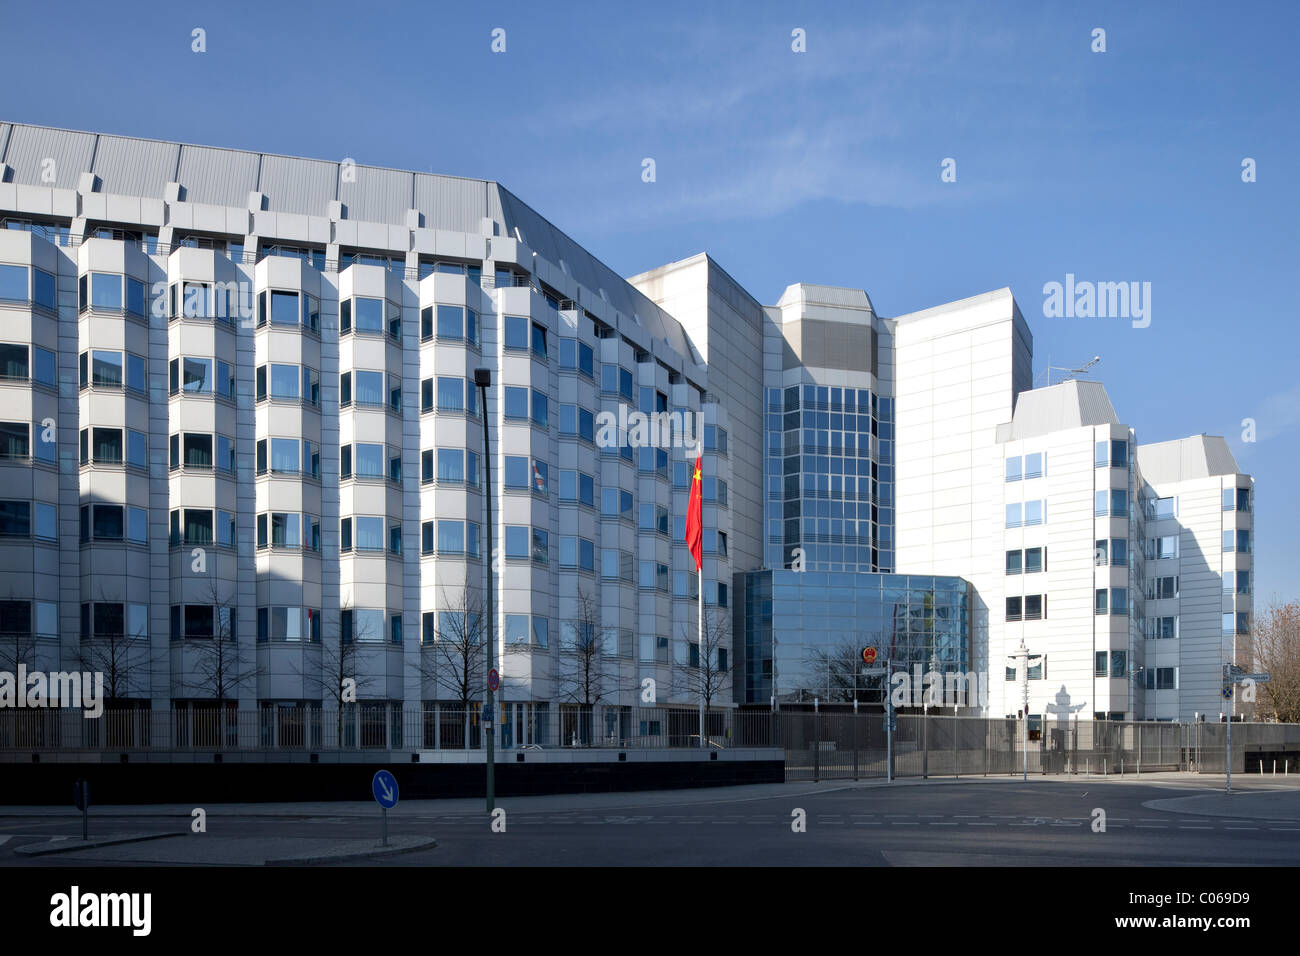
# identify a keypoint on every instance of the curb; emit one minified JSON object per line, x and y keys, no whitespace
{"x":72,"y":844}
{"x":375,"y":853}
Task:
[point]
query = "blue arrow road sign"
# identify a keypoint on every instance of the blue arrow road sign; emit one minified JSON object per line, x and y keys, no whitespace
{"x":384,"y":787}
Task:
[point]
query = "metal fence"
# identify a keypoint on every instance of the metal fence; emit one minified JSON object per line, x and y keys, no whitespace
{"x":377,"y":726}
{"x":826,"y":745}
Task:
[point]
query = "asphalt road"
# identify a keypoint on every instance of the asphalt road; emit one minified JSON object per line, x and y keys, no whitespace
{"x":944,"y":823}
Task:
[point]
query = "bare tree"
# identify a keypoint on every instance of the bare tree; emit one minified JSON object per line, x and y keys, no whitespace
{"x":218,"y":674}
{"x":454,"y":664}
{"x":338,"y":681}
{"x":17,"y":640}
{"x":711,"y":675}
{"x":116,"y":654}
{"x":582,"y":669}
{"x":1275,"y":648}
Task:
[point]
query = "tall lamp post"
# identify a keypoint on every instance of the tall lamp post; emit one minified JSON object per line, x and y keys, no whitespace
{"x":482,"y":379}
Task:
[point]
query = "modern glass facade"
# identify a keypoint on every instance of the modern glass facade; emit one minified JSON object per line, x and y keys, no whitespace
{"x":800,"y":635}
{"x":830,"y":477}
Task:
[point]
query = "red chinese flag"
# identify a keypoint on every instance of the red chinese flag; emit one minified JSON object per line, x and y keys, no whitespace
{"x":695,"y":520}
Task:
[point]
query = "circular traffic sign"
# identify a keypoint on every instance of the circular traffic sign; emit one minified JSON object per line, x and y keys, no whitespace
{"x":868,"y":655}
{"x":494,"y":680}
{"x":384,"y":788}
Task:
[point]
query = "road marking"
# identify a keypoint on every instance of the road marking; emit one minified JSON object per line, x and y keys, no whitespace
{"x":1241,"y":828}
{"x":1285,"y":829}
{"x":868,"y":823}
{"x":4,"y":839}
{"x":1196,"y":828}
{"x":981,"y":824}
{"x":935,"y":823}
{"x":902,"y":823}
{"x":1146,"y":826}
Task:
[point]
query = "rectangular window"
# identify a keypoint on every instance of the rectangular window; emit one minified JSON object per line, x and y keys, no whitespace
{"x":517,"y":541}
{"x":1100,"y":660}
{"x":368,"y":314}
{"x":197,"y":450}
{"x":1165,"y":507}
{"x":284,"y":308}
{"x":368,"y":460}
{"x":15,"y":519}
{"x":516,"y":332}
{"x":1034,"y":465}
{"x":368,"y":388}
{"x":1014,"y":608}
{"x":451,"y":465}
{"x":451,"y":322}
{"x":1013,"y":515}
{"x":1102,"y":504}
{"x":1014,"y":562}
{"x":1014,"y":469}
{"x":1118,"y":664}
{"x":1033,"y":513}
{"x":13,"y":284}
{"x":1119,"y":502}
{"x":137,"y":381}
{"x":106,"y":291}
{"x":1101,"y":552}
{"x":1119,"y":552}
{"x":1033,"y":607}
{"x":197,"y":376}
{"x":106,"y":369}
{"x":14,"y":440}
{"x":284,"y":455}
{"x":516,"y":402}
{"x":451,"y":537}
{"x":451,"y":394}
{"x":1035,"y":560}
{"x":516,"y":471}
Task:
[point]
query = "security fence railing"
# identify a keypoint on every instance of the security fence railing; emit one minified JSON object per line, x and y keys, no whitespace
{"x":817,"y":746}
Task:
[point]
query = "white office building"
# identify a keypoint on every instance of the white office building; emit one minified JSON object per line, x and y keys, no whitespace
{"x":242,"y":459}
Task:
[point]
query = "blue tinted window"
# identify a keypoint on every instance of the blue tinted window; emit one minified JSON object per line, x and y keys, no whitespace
{"x":105,"y":291}
{"x":13,"y":283}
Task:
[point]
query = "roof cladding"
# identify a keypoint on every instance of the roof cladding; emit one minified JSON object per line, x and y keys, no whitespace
{"x":225,"y":177}
{"x":31,"y":149}
{"x":1200,"y":456}
{"x":302,"y":186}
{"x":134,"y":167}
{"x":1071,"y":404}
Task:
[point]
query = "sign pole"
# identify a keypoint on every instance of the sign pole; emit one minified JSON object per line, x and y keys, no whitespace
{"x":1228,"y":756}
{"x":889,"y":722}
{"x":384,"y":788}
{"x":482,"y":379}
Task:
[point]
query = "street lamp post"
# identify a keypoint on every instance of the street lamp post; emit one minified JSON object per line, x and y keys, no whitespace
{"x":482,"y":379}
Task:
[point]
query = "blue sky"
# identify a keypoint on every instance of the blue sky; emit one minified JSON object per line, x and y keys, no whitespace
{"x":820,"y":166}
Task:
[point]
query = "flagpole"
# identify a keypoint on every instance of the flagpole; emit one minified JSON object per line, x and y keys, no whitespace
{"x":702,"y":651}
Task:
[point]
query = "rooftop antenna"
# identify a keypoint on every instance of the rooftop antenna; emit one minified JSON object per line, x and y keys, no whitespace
{"x":1070,"y":372}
